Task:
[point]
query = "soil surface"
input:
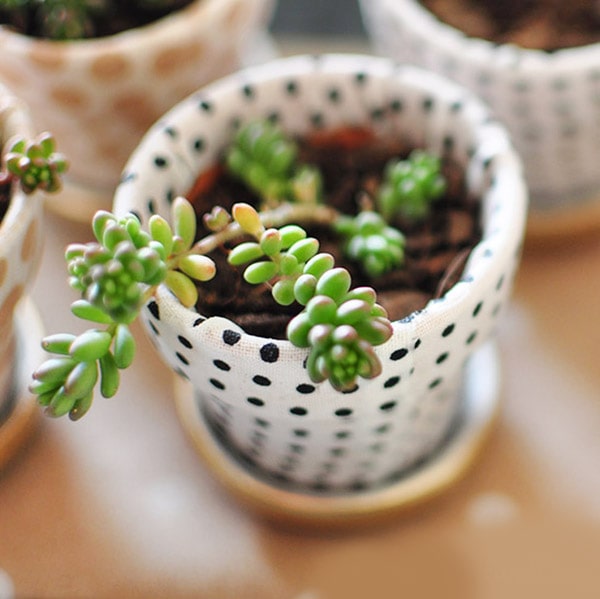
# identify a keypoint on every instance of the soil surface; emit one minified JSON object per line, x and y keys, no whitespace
{"x":105,"y":17}
{"x":5,"y":189}
{"x":436,"y":248}
{"x":538,"y":24}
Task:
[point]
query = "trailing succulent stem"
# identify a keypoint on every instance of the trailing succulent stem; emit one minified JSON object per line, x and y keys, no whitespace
{"x":340,"y":325}
{"x":116,"y":275}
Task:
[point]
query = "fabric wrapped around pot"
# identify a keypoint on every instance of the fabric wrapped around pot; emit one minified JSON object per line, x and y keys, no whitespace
{"x":255,"y":392}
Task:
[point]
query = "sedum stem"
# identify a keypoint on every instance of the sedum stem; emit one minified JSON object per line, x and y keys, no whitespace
{"x":282,"y":215}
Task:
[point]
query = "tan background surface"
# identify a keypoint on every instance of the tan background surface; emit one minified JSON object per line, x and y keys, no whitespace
{"x":118,"y":505}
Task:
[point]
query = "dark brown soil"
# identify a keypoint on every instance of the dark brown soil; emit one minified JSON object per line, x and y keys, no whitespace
{"x":435,"y":250}
{"x":541,"y":24}
{"x":111,"y":16}
{"x":5,"y":189}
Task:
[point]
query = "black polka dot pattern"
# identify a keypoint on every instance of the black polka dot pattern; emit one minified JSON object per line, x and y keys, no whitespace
{"x":269,"y":352}
{"x":255,"y":393}
{"x":231,"y":337}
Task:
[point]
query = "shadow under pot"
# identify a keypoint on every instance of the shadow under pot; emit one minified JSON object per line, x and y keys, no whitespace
{"x":545,"y":94}
{"x":20,"y":324}
{"x":302,"y":450}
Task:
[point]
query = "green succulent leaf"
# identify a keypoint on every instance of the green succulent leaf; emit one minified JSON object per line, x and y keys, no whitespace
{"x":182,"y":287}
{"x":260,"y":272}
{"x":54,"y":370}
{"x":81,"y":406}
{"x":184,"y":222}
{"x":81,"y":380}
{"x":291,"y":234}
{"x":60,"y":404}
{"x":304,"y":249}
{"x":86,"y":311}
{"x":124,"y":347}
{"x":304,"y":288}
{"x":245,"y":253}
{"x":161,"y":231}
{"x":109,"y":375}
{"x":59,"y":343}
{"x":201,"y":268}
{"x":283,"y":292}
{"x":335,"y":283}
{"x":91,"y":345}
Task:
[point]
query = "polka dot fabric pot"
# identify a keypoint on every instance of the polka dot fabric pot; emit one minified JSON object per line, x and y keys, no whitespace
{"x":99,"y":96}
{"x":20,"y":247}
{"x":254,"y":392}
{"x":550,"y":102}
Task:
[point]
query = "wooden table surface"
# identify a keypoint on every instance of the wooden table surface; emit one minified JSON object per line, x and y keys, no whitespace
{"x":119,"y":505}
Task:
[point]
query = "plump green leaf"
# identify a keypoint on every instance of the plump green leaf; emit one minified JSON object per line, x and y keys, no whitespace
{"x":58,"y":343}
{"x":184,"y":221}
{"x":270,"y":242}
{"x":161,"y":231}
{"x":283,"y":292}
{"x":54,"y":370}
{"x":91,"y":345}
{"x":321,"y":309}
{"x":182,"y":287}
{"x":81,"y":380}
{"x":81,"y":407}
{"x":109,"y":375}
{"x":260,"y":272}
{"x":83,"y":309}
{"x":248,"y":219}
{"x":198,"y":267}
{"x":304,"y":288}
{"x":291,"y":234}
{"x":319,"y":264}
{"x":335,"y":283}
{"x":60,"y":404}
{"x":124,"y":347}
{"x":244,"y":253}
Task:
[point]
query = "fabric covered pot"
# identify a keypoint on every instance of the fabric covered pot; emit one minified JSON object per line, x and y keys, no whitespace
{"x":254,"y":392}
{"x":99,"y":96}
{"x":548,"y":101}
{"x":20,"y":246}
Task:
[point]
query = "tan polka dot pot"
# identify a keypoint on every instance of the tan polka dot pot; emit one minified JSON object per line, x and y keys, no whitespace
{"x":253,"y":394}
{"x":550,"y":103}
{"x":20,"y":246}
{"x":98,"y":96}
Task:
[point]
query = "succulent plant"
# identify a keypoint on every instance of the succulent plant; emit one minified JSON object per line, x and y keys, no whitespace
{"x":266,"y":160}
{"x":35,"y":163}
{"x":378,"y":246}
{"x":120,"y":271}
{"x":410,"y":186}
{"x":116,"y":274}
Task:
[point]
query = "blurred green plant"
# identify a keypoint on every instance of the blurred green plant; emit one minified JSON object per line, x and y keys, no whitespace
{"x":410,"y":186}
{"x":35,"y":164}
{"x":77,"y":19}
